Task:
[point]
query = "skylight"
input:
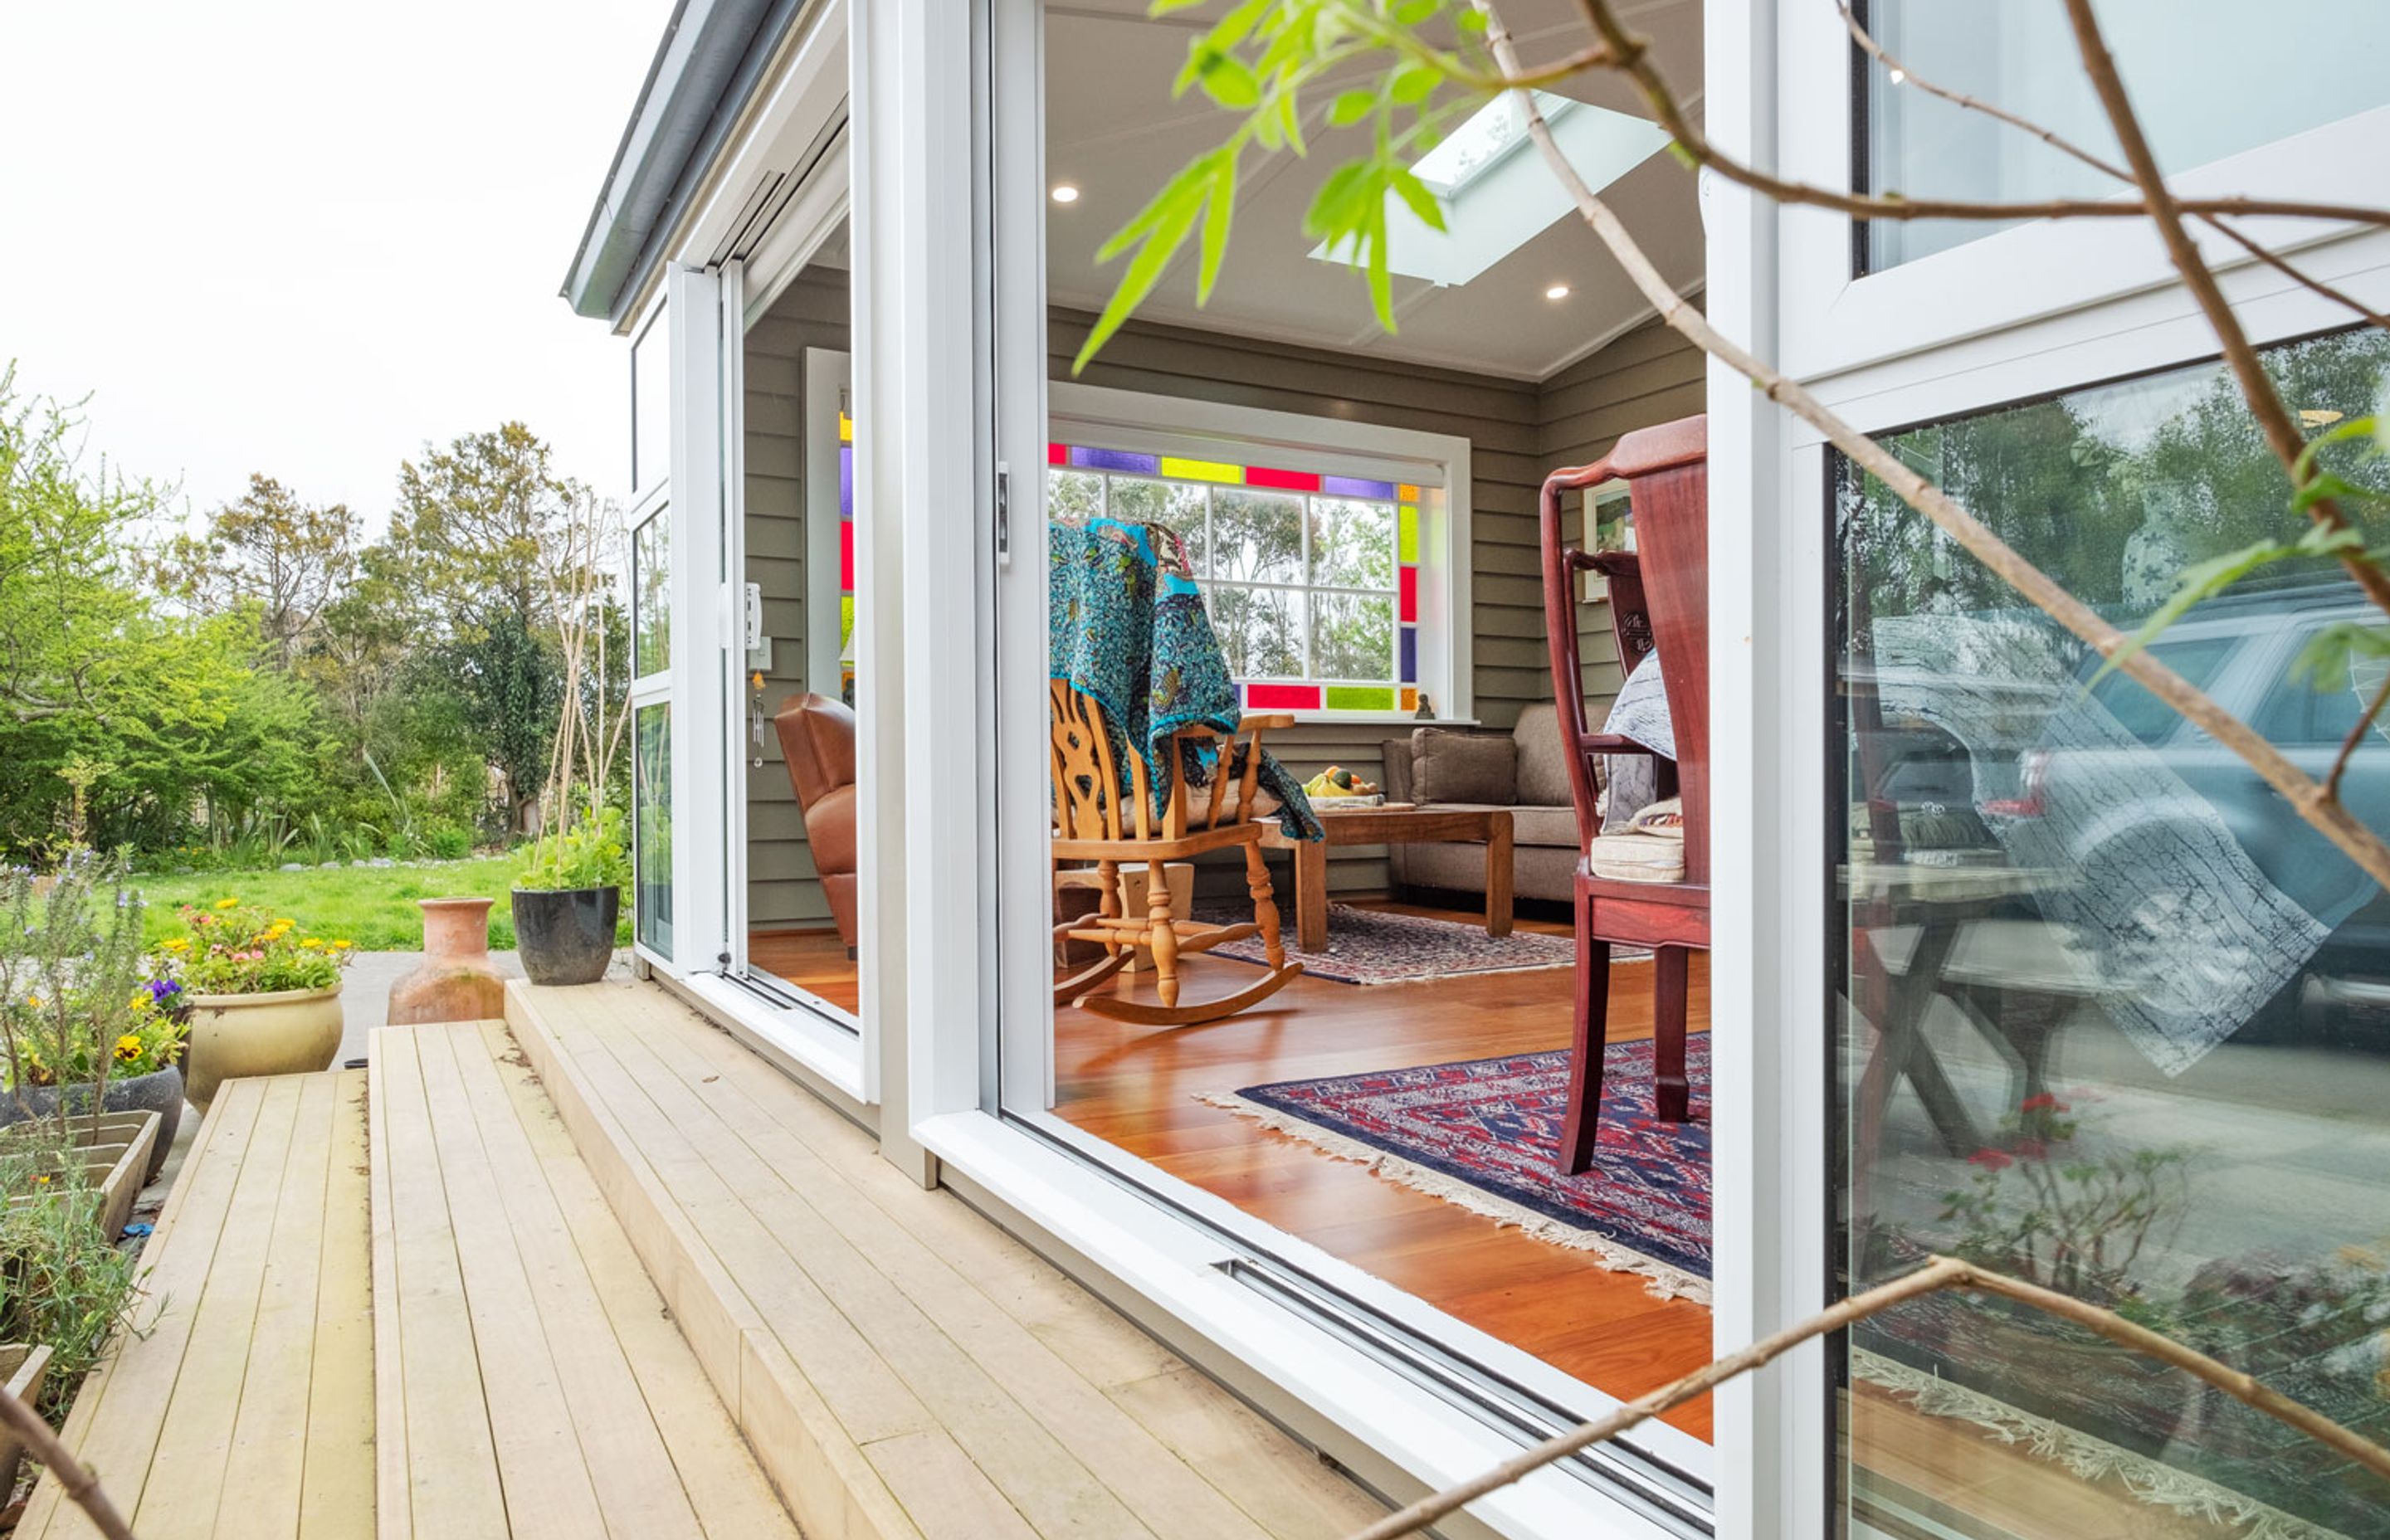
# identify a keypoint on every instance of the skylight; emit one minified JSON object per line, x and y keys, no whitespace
{"x":1496,"y":199}
{"x":1491,"y":133}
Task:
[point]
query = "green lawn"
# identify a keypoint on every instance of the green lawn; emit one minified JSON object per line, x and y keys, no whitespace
{"x":372,"y":906}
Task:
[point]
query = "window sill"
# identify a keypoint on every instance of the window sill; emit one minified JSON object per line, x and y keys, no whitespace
{"x":1330,"y":719}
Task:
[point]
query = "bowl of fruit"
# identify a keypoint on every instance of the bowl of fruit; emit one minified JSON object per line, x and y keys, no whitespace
{"x":1337,"y":787}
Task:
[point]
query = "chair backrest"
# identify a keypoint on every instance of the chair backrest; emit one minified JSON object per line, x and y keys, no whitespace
{"x":1661,"y":600}
{"x":817,"y":741}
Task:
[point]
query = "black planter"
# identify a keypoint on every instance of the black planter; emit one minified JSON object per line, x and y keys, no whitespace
{"x":160,"y":1091}
{"x":566,"y":935}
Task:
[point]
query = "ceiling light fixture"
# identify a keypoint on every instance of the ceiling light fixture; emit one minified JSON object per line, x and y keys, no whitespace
{"x":1898,"y":76}
{"x":1558,"y":291}
{"x":1065,"y":193}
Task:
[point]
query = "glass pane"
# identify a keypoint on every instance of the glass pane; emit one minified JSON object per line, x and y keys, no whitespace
{"x":1073,"y":494}
{"x":2191,"y":94}
{"x":1351,"y":543}
{"x":1256,"y":536}
{"x":1173,"y":505}
{"x":2110,"y":1013}
{"x":1351,"y":636}
{"x":1260,"y":630}
{"x":651,"y":595}
{"x":652,"y":851}
{"x":651,"y":403}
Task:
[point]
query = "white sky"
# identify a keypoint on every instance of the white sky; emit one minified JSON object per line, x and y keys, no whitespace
{"x":304,"y":238}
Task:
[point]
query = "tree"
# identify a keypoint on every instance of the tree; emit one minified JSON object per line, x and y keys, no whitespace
{"x":476,"y":524}
{"x":508,"y":678}
{"x":290,"y":558}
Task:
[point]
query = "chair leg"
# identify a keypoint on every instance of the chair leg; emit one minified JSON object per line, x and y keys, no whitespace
{"x":1671,"y":1091}
{"x":1163,"y":936}
{"x":1582,"y":1129}
{"x":1258,"y":883}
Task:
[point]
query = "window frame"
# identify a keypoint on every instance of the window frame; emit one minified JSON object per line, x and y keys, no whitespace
{"x":1097,"y":417}
{"x":2020,"y":315}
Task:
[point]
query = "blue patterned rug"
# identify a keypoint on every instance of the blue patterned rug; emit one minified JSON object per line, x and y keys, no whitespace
{"x":1482,"y":1133}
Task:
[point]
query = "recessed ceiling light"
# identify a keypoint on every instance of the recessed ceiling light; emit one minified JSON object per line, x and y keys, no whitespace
{"x":1898,"y":76}
{"x":1065,"y":193}
{"x":1558,"y":291}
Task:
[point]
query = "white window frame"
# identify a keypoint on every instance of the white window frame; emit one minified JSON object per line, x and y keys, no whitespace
{"x":1098,"y":416}
{"x":2023,"y":313}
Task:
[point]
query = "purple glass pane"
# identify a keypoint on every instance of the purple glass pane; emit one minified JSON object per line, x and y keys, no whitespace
{"x":846,"y":481}
{"x":1410,"y":655}
{"x":1352,"y":486}
{"x":1116,"y":459}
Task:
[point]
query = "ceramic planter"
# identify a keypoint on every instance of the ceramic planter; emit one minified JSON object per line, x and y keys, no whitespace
{"x":115,"y":1155}
{"x":566,"y":935}
{"x":160,"y":1091}
{"x":286,"y":1031}
{"x":455,"y":982}
{"x":25,"y":1367}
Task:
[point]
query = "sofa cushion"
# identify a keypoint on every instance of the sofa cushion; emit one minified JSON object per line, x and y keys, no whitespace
{"x":1448,"y":766}
{"x":1544,"y":826}
{"x":1543,"y":764}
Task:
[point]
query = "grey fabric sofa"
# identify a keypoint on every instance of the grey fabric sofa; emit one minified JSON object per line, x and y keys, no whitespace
{"x":1439,"y":766}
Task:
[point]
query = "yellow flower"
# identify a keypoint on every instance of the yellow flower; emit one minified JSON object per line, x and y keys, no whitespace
{"x":176,"y":943}
{"x":312,"y":943}
{"x":128,"y":1048}
{"x":140,"y":998}
{"x":34,"y":1001}
{"x":228,"y":904}
{"x":342,"y":946}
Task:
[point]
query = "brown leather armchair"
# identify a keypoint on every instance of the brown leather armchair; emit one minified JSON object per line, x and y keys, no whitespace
{"x":818,"y":740}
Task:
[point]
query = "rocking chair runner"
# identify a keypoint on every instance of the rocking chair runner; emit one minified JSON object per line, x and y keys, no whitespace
{"x":1659,"y":601}
{"x":1091,"y":824}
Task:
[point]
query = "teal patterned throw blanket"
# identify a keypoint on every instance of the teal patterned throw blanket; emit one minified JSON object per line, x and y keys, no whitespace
{"x":1126,"y":626}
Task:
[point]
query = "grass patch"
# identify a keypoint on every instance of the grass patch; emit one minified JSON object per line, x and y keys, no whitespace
{"x":373,"y":907}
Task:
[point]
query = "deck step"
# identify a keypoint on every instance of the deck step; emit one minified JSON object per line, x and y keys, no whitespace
{"x":247,"y":1408}
{"x":530,"y":1379}
{"x":904,"y":1370}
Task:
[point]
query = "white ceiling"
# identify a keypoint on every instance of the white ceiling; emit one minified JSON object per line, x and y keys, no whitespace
{"x":1113,"y":132}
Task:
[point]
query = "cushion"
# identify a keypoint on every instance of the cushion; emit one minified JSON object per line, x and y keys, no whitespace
{"x":1544,"y":826}
{"x":1664,"y":819}
{"x":1447,"y":766}
{"x":1542,"y":762}
{"x":1636,"y":858}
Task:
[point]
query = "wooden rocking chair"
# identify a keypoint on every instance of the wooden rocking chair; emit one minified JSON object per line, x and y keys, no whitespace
{"x":1091,"y":824}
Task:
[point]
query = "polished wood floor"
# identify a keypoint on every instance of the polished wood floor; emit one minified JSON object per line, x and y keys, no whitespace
{"x":814,"y":961}
{"x":1138,"y":1088}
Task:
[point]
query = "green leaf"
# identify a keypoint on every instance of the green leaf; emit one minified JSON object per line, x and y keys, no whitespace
{"x":1227,"y":80}
{"x":1336,"y":207}
{"x":2200,"y":581}
{"x":1413,"y":82}
{"x":1470,"y":20}
{"x":2323,"y":663}
{"x":1291,"y":123}
{"x":1382,"y":288}
{"x":1420,"y":197}
{"x":1145,"y":270}
{"x":2325,"y":484}
{"x":1350,"y":107}
{"x":1683,"y":157}
{"x":1221,"y":208}
{"x":1410,"y":13}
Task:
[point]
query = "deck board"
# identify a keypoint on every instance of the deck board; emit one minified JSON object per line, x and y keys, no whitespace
{"x":983,"y":1392}
{"x":541,"y":1387}
{"x":234,"y":1413}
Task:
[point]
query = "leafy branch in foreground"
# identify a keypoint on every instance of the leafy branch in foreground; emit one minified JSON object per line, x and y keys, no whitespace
{"x":1269,"y":51}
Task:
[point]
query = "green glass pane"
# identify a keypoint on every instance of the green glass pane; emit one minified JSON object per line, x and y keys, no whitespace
{"x":1406,"y":541}
{"x":1360,"y":698}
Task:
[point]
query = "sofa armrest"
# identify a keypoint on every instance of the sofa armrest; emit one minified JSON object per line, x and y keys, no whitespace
{"x":1396,"y":777}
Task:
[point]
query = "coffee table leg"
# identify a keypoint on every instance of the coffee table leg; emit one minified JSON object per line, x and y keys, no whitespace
{"x":1311,"y":894}
{"x":1498,"y":874}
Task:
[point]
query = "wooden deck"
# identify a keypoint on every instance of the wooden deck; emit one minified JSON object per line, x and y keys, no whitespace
{"x":902,"y":1366}
{"x":530,"y":1382}
{"x":248,"y":1409}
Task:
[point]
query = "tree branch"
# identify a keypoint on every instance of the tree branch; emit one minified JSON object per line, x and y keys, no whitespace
{"x":2321,"y":811}
{"x":1632,"y":55}
{"x":2355,"y":736}
{"x":74,"y":1476}
{"x":1903,"y":74}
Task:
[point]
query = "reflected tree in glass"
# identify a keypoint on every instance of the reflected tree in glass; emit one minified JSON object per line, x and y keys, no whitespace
{"x":1260,"y":630}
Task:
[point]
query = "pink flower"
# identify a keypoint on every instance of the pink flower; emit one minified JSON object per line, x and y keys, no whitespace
{"x":2045,"y":1102}
{"x":1990,"y":1160}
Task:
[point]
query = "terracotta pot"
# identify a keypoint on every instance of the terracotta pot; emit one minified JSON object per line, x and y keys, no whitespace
{"x":455,"y":982}
{"x":287,"y":1032}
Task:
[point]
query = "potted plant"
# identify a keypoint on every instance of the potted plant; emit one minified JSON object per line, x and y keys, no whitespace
{"x":568,"y":899}
{"x":264,"y":993}
{"x":89,"y":1029}
{"x":66,"y":1288}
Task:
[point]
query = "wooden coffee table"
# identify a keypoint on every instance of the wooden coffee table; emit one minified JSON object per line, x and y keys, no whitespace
{"x":1379,"y":825}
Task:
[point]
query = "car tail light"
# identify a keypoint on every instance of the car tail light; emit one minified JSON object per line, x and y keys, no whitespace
{"x":2033,"y":770}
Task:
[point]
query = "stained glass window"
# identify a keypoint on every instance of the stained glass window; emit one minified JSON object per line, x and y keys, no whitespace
{"x":1312,"y":580}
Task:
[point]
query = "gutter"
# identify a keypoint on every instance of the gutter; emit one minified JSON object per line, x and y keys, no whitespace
{"x":713,"y":53}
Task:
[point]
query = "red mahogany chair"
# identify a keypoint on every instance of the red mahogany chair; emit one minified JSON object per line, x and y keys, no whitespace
{"x":1659,"y":596}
